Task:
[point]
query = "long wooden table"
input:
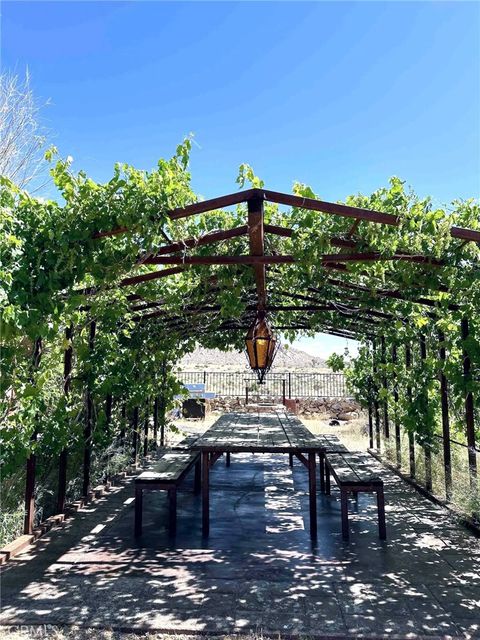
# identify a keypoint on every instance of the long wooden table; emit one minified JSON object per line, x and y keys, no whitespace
{"x":258,"y":433}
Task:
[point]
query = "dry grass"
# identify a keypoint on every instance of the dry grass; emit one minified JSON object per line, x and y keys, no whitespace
{"x":353,"y":434}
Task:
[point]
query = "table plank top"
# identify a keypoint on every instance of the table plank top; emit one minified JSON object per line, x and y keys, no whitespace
{"x":274,"y":432}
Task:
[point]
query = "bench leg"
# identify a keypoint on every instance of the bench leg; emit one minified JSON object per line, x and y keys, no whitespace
{"x":382,"y":527}
{"x":197,"y":479}
{"x":138,"y":511}
{"x":344,"y":506}
{"x":172,"y":511}
{"x":290,"y":459}
{"x":205,"y":493}
{"x":312,"y":485}
{"x":322,"y":472}
{"x":327,"y":480}
{"x":214,"y":456}
{"x":227,"y":462}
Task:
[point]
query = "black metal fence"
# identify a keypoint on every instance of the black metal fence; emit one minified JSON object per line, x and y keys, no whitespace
{"x":442,"y":470}
{"x":288,"y":385}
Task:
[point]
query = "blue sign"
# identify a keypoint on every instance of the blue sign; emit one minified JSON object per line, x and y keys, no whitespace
{"x":197,"y":390}
{"x":200,"y":386}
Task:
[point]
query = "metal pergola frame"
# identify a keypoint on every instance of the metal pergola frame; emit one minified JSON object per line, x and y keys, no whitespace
{"x":344,"y":307}
{"x":349,"y":299}
{"x":255,"y":230}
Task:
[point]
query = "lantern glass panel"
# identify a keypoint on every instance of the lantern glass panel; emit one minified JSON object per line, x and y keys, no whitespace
{"x":261,"y":346}
{"x":262,"y":352}
{"x":251,"y":352}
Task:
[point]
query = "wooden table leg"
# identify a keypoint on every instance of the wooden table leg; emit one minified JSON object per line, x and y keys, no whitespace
{"x":228,"y":459}
{"x":205,"y":493}
{"x":138,"y":511}
{"x":321,"y":457}
{"x":312,"y":484}
{"x":172,"y":495}
{"x":197,"y":482}
{"x":290,"y":459}
{"x":344,"y":508}
{"x":382,"y":527}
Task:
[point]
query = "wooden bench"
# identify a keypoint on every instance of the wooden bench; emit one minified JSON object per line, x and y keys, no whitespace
{"x":167,"y":475}
{"x":331,"y":444}
{"x":186,"y":443}
{"x":352,"y":475}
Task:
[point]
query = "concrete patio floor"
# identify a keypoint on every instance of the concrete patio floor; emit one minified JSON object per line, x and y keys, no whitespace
{"x":258,"y":571}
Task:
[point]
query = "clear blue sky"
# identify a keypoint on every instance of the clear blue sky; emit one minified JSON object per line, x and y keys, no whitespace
{"x":338,"y":95}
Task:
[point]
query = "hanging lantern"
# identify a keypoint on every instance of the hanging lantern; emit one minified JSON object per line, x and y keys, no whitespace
{"x":261,"y":346}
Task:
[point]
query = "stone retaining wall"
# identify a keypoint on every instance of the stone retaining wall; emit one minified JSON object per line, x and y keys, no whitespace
{"x":338,"y":408}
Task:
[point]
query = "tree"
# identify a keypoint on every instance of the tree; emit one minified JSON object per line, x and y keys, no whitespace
{"x":22,"y":137}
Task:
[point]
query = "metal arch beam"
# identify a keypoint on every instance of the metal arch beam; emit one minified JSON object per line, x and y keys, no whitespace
{"x":343,"y":210}
{"x":322,"y":305}
{"x":349,"y":329}
{"x":127,"y":282}
{"x":188,"y":311}
{"x":258,"y":261}
{"x":190,"y":243}
{"x":151,"y":304}
{"x":335,"y":306}
{"x":380,"y":292}
{"x":375,"y":256}
{"x":190,"y":210}
{"x":366,"y":256}
{"x":350,"y":334}
{"x":337,"y":266}
{"x":299,"y":202}
{"x":394,"y":295}
{"x":372,"y":312}
{"x":212,"y":204}
{"x":354,"y":212}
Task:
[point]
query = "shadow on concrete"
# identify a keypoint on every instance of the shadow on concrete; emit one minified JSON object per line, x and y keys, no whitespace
{"x":258,"y":570}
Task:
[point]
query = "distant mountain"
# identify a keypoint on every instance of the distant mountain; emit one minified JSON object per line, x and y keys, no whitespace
{"x":287,"y":358}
